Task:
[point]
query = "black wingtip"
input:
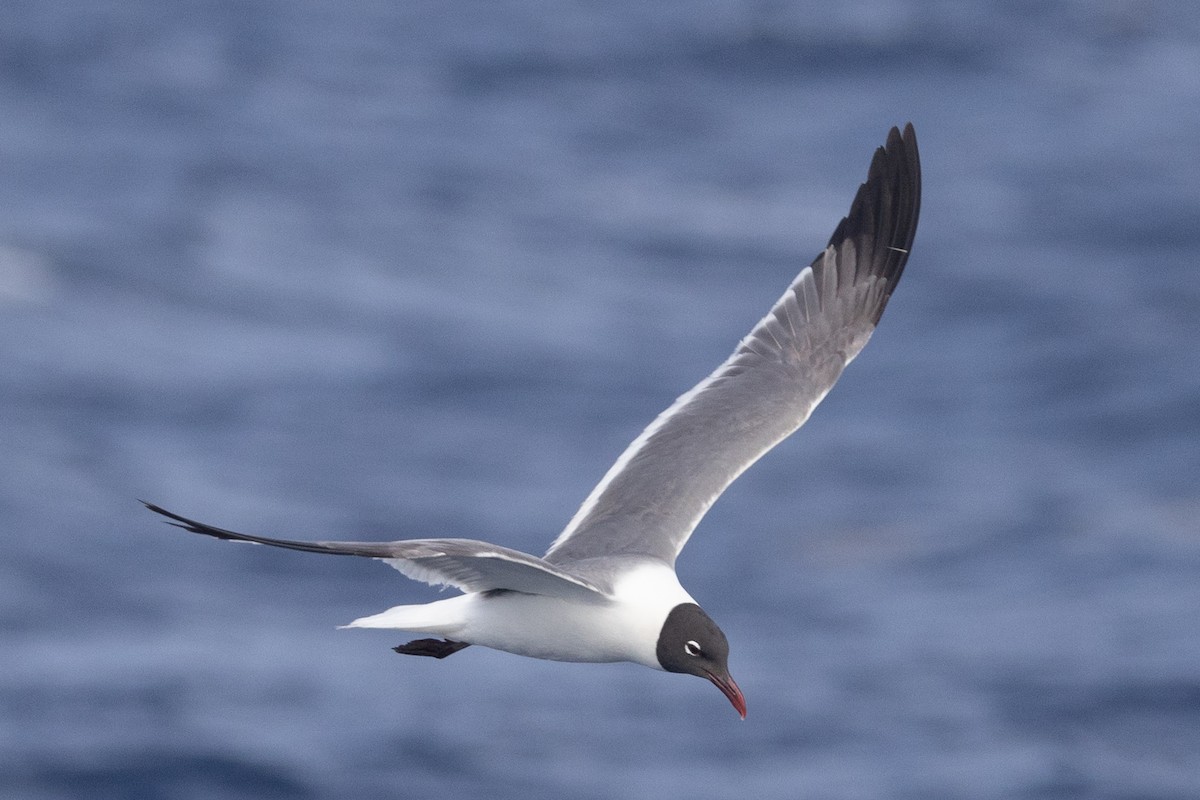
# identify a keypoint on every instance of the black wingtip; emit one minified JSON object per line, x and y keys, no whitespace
{"x":883,"y":216}
{"x":157,"y":509}
{"x":364,"y":549}
{"x":190,"y":525}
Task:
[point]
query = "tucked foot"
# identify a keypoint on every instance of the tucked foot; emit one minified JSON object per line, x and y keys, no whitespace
{"x":434,"y":648}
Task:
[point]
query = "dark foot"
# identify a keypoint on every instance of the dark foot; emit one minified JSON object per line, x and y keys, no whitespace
{"x":434,"y":648}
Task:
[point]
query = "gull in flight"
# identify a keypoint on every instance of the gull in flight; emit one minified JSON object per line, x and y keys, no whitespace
{"x":606,"y":590}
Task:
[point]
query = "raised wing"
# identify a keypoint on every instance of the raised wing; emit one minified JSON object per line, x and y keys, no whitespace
{"x":467,"y":564}
{"x":662,"y":485}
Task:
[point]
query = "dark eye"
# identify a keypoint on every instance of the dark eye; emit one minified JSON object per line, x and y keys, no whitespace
{"x":692,"y":648}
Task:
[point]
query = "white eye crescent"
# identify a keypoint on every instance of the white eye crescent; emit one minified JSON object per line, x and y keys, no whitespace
{"x":692,"y":648}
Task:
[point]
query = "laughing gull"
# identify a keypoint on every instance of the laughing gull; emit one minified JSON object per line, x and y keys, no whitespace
{"x":606,"y":590}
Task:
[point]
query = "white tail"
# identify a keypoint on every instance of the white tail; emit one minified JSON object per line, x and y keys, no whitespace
{"x":444,"y":617}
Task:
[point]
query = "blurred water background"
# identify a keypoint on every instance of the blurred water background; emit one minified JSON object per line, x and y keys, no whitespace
{"x":379,"y":270}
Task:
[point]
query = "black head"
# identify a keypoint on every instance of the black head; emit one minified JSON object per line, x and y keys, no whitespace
{"x":691,"y":642}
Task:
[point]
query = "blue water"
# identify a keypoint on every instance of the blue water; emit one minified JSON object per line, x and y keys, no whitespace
{"x":387,"y":270}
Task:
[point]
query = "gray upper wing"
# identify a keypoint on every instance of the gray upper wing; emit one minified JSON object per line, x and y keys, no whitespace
{"x":661,"y":486}
{"x":470,"y":565}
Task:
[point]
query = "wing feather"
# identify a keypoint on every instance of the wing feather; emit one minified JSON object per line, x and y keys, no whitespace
{"x":655,"y":494}
{"x":466,"y":564}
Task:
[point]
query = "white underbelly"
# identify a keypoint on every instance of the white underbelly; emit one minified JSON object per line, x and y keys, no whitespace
{"x":563,"y":630}
{"x":624,"y":626}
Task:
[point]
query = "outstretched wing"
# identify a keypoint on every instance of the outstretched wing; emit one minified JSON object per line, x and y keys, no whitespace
{"x":666,"y":480}
{"x":467,"y":564}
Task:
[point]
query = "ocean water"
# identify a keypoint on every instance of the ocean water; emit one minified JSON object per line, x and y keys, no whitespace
{"x":385,"y":270}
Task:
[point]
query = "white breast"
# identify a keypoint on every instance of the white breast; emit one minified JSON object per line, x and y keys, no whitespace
{"x":623,"y":628}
